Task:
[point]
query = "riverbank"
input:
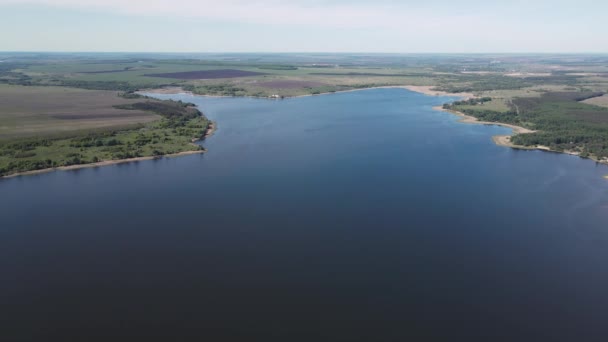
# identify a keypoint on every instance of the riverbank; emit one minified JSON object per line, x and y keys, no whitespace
{"x":177,"y":131}
{"x":505,"y":140}
{"x":211,"y":128}
{"x":427,"y":90}
{"x":501,"y":140}
{"x":473,"y":120}
{"x":102,"y":163}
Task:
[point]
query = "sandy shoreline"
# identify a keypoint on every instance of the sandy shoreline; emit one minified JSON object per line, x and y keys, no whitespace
{"x":211,"y":128}
{"x":102,"y":163}
{"x":502,"y":140}
{"x":505,"y":140}
{"x":179,"y":90}
{"x":427,"y":90}
{"x":473,"y":120}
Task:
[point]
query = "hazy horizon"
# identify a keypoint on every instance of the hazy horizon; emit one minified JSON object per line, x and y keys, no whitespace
{"x":270,"y":26}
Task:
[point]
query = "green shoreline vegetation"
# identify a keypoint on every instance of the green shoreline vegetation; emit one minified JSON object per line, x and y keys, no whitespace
{"x":560,"y":99}
{"x":180,"y":126}
{"x":560,"y":120}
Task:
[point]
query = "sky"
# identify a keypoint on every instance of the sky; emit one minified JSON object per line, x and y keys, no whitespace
{"x":424,"y":26}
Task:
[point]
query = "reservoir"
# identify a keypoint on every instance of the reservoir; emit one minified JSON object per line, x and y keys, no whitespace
{"x":358,"y":216}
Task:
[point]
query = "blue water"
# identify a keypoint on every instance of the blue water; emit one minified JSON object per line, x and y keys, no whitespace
{"x":362,"y":216}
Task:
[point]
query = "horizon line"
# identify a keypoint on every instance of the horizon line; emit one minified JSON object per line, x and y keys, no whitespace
{"x":316,"y":52}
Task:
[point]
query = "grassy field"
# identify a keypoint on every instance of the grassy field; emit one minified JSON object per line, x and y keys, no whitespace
{"x":601,"y":101}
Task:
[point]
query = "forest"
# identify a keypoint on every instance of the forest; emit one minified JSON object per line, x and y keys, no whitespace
{"x":561,"y":121}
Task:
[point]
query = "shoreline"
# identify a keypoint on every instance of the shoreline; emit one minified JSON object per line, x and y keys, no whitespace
{"x":505,"y":140}
{"x":473,"y":120}
{"x":102,"y":163}
{"x":500,"y":140}
{"x":426,"y":90}
{"x":211,"y":128}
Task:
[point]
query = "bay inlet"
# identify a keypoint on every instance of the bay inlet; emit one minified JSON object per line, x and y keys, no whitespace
{"x":364,"y":215}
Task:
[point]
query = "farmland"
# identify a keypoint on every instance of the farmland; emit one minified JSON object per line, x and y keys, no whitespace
{"x":207,"y":74}
{"x":48,"y":111}
{"x":49,"y":127}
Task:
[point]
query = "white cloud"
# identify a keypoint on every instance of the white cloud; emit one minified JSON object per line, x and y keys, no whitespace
{"x":271,"y":12}
{"x":343,"y":25}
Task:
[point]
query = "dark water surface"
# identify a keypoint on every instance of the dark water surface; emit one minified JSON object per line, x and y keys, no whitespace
{"x":362,"y":216}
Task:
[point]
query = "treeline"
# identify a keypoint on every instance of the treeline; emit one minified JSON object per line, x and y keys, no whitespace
{"x":467,"y":83}
{"x":175,"y":113}
{"x":562,"y":122}
{"x":11,"y":77}
{"x":168,"y":109}
{"x":475,"y":83}
{"x":483,"y":114}
{"x":132,"y":95}
{"x":472,"y":101}
{"x":99,"y":85}
{"x":278,"y":67}
{"x":586,"y":140}
{"x":216,"y":89}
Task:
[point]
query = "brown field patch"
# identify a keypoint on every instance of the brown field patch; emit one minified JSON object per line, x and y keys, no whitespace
{"x":601,"y":101}
{"x":40,"y":111}
{"x":207,"y":74}
{"x":97,"y":116}
{"x":291,"y":84}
